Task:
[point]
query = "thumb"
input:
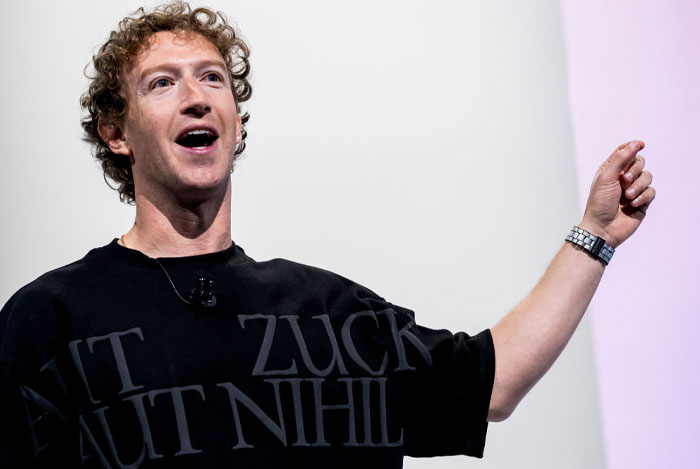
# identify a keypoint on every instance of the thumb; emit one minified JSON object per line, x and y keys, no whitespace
{"x":621,"y":159}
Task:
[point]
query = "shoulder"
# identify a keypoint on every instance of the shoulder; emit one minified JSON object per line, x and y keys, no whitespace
{"x":38,"y":303}
{"x":56,"y":282}
{"x":309,"y":275}
{"x":36,"y":314}
{"x":308,"y":280}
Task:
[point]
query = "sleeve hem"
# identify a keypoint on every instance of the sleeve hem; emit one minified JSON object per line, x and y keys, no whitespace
{"x":468,"y":436}
{"x":487,"y":362}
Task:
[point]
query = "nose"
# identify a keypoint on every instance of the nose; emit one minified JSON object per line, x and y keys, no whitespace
{"x":195,"y":101}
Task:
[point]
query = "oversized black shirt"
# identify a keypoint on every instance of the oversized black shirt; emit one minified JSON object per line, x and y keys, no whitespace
{"x":102,"y":364}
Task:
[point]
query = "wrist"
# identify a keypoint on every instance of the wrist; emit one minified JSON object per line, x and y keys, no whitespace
{"x":597,"y":230}
{"x":595,"y":245}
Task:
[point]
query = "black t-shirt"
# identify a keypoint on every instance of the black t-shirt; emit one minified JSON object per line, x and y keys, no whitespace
{"x":103,"y":365}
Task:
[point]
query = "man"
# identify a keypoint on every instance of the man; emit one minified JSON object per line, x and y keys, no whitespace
{"x":171,"y":347}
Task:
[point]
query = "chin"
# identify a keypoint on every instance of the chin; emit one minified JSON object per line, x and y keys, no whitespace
{"x":207,"y":177}
{"x":202,"y":189}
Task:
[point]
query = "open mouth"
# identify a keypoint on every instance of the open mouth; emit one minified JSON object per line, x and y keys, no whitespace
{"x":199,"y":139}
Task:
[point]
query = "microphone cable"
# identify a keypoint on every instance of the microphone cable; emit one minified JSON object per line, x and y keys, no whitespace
{"x":202,"y":295}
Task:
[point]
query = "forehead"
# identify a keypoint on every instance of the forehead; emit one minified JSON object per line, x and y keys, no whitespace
{"x":165,"y":46}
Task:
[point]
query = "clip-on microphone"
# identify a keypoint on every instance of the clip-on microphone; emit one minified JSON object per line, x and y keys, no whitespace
{"x":203,"y":294}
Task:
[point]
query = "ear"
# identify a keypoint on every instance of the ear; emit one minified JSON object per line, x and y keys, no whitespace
{"x":239,"y":137}
{"x":113,"y":136}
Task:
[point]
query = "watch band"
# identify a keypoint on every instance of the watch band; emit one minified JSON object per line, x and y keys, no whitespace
{"x":594,"y":245}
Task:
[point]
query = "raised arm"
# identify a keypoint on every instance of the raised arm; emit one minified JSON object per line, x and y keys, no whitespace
{"x":531,"y":336}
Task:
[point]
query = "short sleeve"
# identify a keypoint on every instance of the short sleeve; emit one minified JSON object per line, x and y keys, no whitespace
{"x":445,"y":388}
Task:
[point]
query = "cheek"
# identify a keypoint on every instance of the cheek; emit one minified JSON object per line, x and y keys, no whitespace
{"x":152,"y":131}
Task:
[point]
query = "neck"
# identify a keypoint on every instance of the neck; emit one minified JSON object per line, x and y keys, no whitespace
{"x":166,"y":227}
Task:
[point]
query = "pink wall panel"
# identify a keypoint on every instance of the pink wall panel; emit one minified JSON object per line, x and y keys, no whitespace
{"x":634,"y":73}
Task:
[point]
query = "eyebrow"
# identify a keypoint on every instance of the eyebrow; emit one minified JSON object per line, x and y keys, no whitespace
{"x":170,"y":66}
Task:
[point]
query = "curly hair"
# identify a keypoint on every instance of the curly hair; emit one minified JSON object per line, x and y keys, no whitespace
{"x":105,"y":97}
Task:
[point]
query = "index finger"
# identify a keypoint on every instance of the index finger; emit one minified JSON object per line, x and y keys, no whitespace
{"x":622,"y":158}
{"x":640,"y":142}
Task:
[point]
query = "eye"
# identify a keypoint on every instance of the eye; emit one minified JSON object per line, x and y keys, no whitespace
{"x":160,"y":80}
{"x":215,"y":75}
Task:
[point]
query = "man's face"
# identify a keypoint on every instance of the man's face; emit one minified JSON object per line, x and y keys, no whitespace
{"x":176,"y":85}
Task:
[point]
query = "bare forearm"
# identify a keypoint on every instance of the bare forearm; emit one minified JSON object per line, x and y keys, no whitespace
{"x":532,"y":335}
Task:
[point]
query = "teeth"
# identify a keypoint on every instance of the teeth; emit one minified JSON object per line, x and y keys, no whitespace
{"x":198,"y":132}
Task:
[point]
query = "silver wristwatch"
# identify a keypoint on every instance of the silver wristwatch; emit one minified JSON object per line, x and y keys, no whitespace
{"x":595,"y":245}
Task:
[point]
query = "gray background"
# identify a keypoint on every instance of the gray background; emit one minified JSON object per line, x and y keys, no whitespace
{"x":421,"y":149}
